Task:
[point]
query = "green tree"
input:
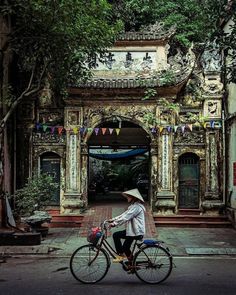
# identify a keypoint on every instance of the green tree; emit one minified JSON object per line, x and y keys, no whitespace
{"x":54,"y":39}
{"x":195,"y":20}
{"x":47,"y":40}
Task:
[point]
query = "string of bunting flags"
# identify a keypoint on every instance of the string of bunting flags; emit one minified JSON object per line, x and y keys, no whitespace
{"x":106,"y":130}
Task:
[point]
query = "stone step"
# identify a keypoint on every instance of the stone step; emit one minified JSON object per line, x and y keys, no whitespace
{"x":192,"y":224}
{"x":61,"y":220}
{"x":189,"y":218}
{"x":189,"y":211}
{"x":192,"y":221}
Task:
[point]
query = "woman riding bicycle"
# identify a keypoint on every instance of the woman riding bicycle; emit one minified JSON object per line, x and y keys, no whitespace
{"x":134,"y":218}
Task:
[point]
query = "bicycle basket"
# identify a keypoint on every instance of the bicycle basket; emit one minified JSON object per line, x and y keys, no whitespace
{"x":94,"y":235}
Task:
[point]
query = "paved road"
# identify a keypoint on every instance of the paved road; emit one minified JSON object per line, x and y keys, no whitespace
{"x":33,"y":275}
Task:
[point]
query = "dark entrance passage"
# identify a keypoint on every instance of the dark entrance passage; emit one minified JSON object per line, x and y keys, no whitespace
{"x":118,"y":162}
{"x":189,"y":181}
{"x":50,"y":164}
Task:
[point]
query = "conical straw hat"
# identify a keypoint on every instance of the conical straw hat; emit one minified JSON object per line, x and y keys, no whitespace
{"x":134,"y":193}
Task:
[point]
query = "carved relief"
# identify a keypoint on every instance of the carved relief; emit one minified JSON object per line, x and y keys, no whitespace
{"x":44,"y":138}
{"x":52,"y":117}
{"x":211,"y":58}
{"x":212,"y":108}
{"x":94,"y":116}
{"x":188,"y":138}
{"x":212,"y":85}
{"x":73,"y":118}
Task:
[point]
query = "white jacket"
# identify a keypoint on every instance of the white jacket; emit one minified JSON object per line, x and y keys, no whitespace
{"x":134,"y":217}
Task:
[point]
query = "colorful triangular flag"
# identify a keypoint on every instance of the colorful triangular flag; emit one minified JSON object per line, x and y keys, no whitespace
{"x":117,"y":131}
{"x":45,"y":127}
{"x":104,"y":130}
{"x":190,"y":127}
{"x":212,"y":123}
{"x":169,"y":128}
{"x":96,"y":130}
{"x":52,"y":129}
{"x":153,"y":130}
{"x":59,"y":129}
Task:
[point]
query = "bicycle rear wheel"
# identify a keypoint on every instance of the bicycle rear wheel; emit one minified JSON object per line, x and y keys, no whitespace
{"x":153,"y":264}
{"x":88,"y":264}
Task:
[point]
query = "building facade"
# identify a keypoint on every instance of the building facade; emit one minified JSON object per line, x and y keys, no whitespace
{"x":230,"y":123}
{"x":143,"y":94}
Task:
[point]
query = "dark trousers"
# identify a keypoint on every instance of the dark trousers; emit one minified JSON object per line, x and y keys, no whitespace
{"x":125,"y":248}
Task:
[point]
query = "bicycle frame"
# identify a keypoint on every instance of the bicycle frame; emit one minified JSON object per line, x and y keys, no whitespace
{"x":103,"y":243}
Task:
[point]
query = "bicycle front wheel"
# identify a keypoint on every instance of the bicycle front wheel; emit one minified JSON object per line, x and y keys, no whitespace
{"x":88,"y":264}
{"x":153,"y":264}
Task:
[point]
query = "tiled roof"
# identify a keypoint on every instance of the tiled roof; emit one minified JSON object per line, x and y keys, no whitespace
{"x":135,"y":82}
{"x":152,"y":32}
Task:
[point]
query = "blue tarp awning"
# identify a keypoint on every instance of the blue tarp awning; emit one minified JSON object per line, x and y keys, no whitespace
{"x":115,"y":156}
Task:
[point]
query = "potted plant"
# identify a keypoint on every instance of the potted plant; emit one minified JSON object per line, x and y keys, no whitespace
{"x":31,"y":200}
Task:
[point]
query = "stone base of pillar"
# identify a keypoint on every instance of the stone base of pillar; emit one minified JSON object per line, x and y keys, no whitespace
{"x":165,"y":203}
{"x":212,"y":207}
{"x":72,"y":203}
{"x":231,"y":213}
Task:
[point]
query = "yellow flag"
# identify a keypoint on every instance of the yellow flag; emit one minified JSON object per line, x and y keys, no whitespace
{"x":117,"y":131}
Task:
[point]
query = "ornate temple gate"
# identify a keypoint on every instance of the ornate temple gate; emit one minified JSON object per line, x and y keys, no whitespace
{"x":138,"y":65}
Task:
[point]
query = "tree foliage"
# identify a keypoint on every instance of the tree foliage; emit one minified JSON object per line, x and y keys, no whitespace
{"x":195,"y":20}
{"x":55,"y":39}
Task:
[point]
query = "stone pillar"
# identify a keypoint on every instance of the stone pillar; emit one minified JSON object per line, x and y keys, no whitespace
{"x":212,"y":199}
{"x":72,"y":200}
{"x":154,"y":173}
{"x":84,"y":173}
{"x":165,"y":198}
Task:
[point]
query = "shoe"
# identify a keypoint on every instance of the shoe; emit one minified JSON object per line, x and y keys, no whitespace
{"x":119,"y":259}
{"x":130,"y":272}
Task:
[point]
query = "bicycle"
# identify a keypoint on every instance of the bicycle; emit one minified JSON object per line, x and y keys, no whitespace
{"x":152,"y":262}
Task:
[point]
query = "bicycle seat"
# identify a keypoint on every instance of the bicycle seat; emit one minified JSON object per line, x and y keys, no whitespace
{"x":150,"y":242}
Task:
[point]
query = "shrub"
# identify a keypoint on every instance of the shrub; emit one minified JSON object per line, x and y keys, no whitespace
{"x":35,"y":195}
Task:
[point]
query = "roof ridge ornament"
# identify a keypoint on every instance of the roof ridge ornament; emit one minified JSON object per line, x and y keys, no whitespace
{"x":156,"y":31}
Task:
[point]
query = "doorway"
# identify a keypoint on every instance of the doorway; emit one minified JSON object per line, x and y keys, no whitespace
{"x":118,"y":161}
{"x":50,"y":163}
{"x":189,"y":181}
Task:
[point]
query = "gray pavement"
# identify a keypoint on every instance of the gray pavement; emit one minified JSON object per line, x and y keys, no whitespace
{"x":61,"y":242}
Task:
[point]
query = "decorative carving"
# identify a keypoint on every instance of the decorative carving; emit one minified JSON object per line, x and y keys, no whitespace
{"x":188,"y":138}
{"x":73,"y":118}
{"x":212,"y":108}
{"x":45,"y":138}
{"x":51,"y":117}
{"x":179,"y":61}
{"x":134,"y":113}
{"x":211,"y":58}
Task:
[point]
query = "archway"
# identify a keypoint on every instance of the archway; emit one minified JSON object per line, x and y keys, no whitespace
{"x":50,"y":163}
{"x":119,"y":157}
{"x":189,"y":181}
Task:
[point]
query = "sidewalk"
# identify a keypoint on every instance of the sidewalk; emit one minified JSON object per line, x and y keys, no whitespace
{"x":181,"y":242}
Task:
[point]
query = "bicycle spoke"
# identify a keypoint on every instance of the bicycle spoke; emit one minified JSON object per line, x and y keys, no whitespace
{"x":88,"y":265}
{"x":153,"y":264}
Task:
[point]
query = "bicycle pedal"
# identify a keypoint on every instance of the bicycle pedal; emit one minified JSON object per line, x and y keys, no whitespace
{"x":130,"y":272}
